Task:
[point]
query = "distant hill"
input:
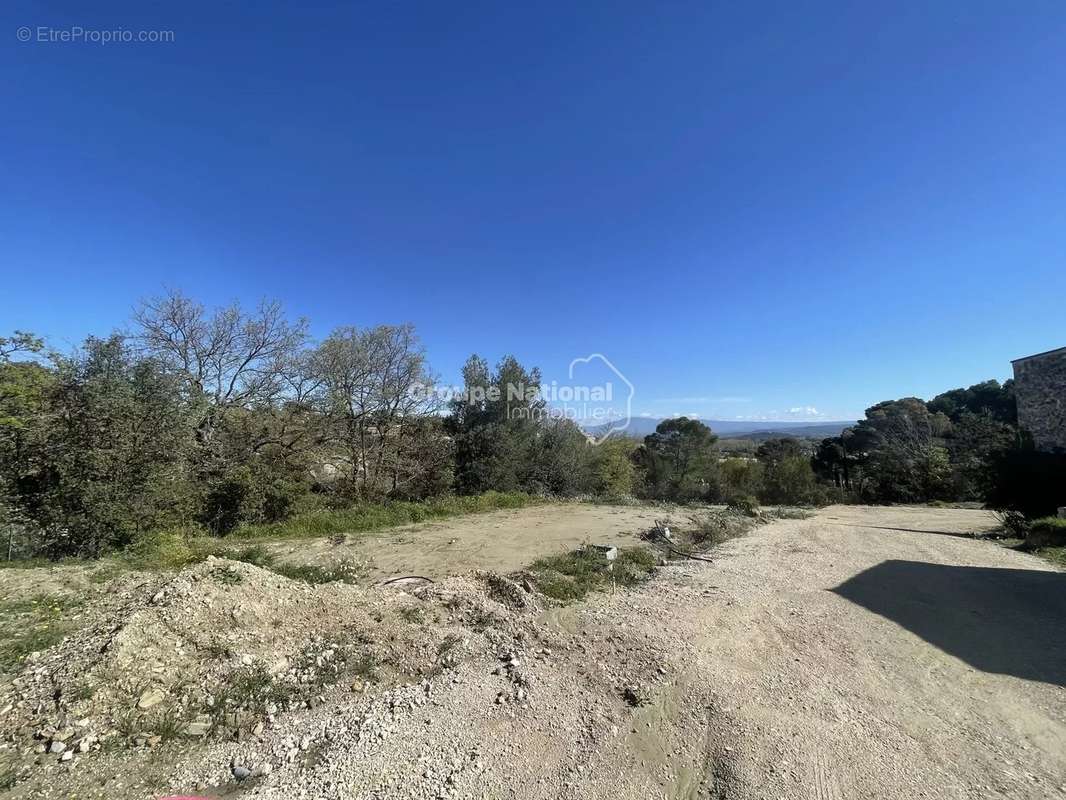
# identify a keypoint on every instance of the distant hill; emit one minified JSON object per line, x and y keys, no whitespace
{"x":639,"y":427}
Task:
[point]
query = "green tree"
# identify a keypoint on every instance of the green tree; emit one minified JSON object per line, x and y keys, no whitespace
{"x":788,"y":476}
{"x":740,"y":478}
{"x":903,"y":454}
{"x":495,"y":426}
{"x":25,"y":385}
{"x":987,"y":399}
{"x":680,"y":459}
{"x":114,"y":457}
{"x":614,"y":472}
{"x":562,"y":458}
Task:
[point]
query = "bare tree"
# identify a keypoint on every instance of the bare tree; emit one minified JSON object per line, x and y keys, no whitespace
{"x":227,"y":358}
{"x":373,"y":381}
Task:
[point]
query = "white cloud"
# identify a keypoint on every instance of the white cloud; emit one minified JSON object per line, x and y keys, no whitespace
{"x":707,"y":399}
{"x":793,"y":414}
{"x":805,"y":412}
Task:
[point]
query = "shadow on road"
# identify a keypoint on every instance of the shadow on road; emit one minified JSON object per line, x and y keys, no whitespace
{"x":958,"y":534}
{"x":1007,"y":621}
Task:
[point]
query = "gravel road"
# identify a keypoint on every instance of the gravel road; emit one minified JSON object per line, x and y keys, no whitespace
{"x":871,"y":652}
{"x":866,"y":652}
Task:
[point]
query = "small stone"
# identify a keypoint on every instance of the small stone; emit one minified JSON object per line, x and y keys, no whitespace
{"x":69,"y":754}
{"x":241,"y":773}
{"x":57,"y":747}
{"x":197,"y":728}
{"x":279,"y":666}
{"x":150,"y":698}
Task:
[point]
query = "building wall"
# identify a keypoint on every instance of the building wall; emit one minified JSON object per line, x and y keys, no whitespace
{"x":1040,"y":385}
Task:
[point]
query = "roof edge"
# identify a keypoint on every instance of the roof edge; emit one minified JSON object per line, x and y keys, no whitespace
{"x":1040,"y":355}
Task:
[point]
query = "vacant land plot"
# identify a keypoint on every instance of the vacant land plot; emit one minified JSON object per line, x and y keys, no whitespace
{"x":501,"y":541}
{"x":864,"y":652}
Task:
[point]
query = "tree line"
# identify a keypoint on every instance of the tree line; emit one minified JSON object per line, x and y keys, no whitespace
{"x":215,"y":418}
{"x":963,"y":445}
{"x":210,"y":419}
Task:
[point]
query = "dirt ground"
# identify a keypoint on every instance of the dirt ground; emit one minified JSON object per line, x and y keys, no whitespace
{"x":501,"y":541}
{"x":864,"y":652}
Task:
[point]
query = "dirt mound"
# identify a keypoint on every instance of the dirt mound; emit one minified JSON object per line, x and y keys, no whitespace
{"x":223,"y":648}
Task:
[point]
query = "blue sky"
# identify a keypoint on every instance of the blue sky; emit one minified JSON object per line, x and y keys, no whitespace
{"x":764,"y":210}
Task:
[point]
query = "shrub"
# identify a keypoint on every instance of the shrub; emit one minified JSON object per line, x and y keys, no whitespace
{"x":225,"y":500}
{"x":278,"y":499}
{"x":790,"y":481}
{"x":718,"y":527}
{"x":1014,"y":523}
{"x":1028,"y":481}
{"x":1047,"y":532}
{"x":172,"y":548}
{"x":740,"y":478}
{"x":613,"y":472}
{"x":344,"y":571}
{"x":746,"y":505}
{"x":571,"y":576}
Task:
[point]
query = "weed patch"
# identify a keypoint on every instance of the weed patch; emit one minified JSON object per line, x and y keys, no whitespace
{"x":1048,"y":532}
{"x":788,"y":512}
{"x":1056,"y":555}
{"x":28,"y":626}
{"x":412,"y":614}
{"x":573,"y":575}
{"x":343,"y":571}
{"x":717,"y":527}
{"x":361,"y":519}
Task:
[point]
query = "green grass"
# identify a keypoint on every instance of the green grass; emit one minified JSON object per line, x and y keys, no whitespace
{"x":789,"y":512}
{"x":1047,"y":538}
{"x":43,"y":563}
{"x":1047,"y":531}
{"x":571,"y":576}
{"x":34,"y":624}
{"x":1056,"y":555}
{"x":361,"y":519}
{"x":174,"y":548}
{"x":714,"y":528}
{"x":345,"y":570}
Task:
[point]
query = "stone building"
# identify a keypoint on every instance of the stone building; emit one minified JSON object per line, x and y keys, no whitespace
{"x":1040,"y":386}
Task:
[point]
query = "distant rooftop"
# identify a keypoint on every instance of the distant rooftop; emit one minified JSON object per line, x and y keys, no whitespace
{"x":1056,"y":351}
